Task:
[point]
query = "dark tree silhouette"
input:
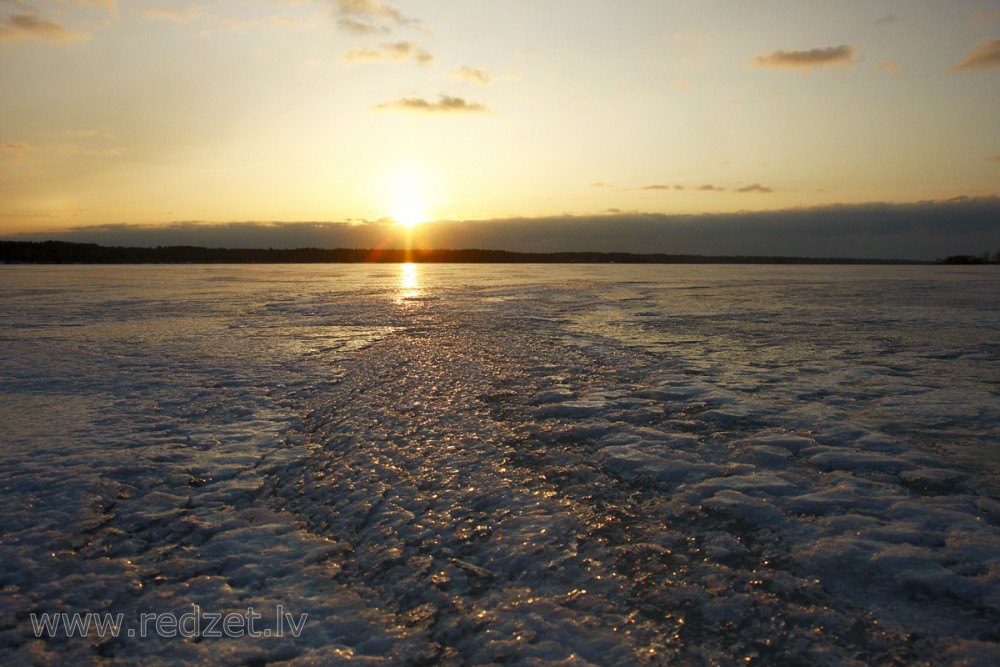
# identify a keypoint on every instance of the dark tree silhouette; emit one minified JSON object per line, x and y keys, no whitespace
{"x":62,"y":252}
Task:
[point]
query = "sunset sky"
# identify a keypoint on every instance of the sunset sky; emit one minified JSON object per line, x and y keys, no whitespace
{"x":144,"y":113}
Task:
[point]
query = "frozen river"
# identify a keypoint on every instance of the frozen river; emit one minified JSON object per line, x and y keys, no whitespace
{"x":530,"y":464}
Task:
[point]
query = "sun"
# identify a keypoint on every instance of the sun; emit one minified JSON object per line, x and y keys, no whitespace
{"x":409,"y":213}
{"x":407,"y":189}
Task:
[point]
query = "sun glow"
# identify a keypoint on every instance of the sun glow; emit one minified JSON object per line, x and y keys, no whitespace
{"x":409,"y":214}
{"x":407,"y":189}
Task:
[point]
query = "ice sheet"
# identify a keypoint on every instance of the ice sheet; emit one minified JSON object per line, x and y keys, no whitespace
{"x":513,"y":464}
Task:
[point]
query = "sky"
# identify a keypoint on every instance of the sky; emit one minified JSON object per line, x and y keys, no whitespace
{"x":550,"y":123}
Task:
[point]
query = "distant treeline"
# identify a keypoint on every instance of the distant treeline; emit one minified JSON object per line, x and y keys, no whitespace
{"x":971,"y":259}
{"x":62,"y":252}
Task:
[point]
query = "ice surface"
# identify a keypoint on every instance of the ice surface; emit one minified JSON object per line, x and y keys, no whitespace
{"x":505,"y":464}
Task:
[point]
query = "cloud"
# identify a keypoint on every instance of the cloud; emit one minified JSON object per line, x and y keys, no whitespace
{"x":282,"y":20}
{"x":993,"y":158}
{"x":25,"y":26}
{"x":393,"y":52}
{"x":831,"y":55}
{"x":369,"y":8}
{"x":921,"y":230}
{"x":110,"y":5}
{"x":983,"y":55}
{"x":445,"y":104}
{"x":15,"y":150}
{"x":193,"y":12}
{"x":361,"y":27}
{"x":230,"y":235}
{"x":890,"y":67}
{"x":187,"y":14}
{"x":754,"y":187}
{"x":988,"y":15}
{"x":368,"y":16}
{"x":888,"y":18}
{"x":479,"y":76}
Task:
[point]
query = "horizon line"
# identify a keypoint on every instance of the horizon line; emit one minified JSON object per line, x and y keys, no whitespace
{"x":163,"y":254}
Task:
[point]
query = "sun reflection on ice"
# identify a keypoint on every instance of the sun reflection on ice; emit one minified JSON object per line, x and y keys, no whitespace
{"x":409,"y":282}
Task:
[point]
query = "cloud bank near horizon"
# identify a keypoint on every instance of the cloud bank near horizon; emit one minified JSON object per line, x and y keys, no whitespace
{"x":923,"y":230}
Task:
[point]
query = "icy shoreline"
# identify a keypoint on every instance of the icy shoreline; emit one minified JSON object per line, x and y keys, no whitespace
{"x":515,"y":466}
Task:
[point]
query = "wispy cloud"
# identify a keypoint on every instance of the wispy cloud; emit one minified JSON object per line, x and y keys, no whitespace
{"x":663,"y":187}
{"x":986,"y":15}
{"x":196,"y":12}
{"x":15,"y":150}
{"x":993,"y":158}
{"x":883,"y":20}
{"x":479,"y":76}
{"x":808,"y":59}
{"x":394,"y":52}
{"x":282,"y":20}
{"x":361,"y":27}
{"x":368,"y":16}
{"x":110,"y":5}
{"x":983,"y":55}
{"x":191,"y":12}
{"x":890,"y":67}
{"x":26,"y":26}
{"x":445,"y":104}
{"x":755,"y":187}
{"x":369,"y":8}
